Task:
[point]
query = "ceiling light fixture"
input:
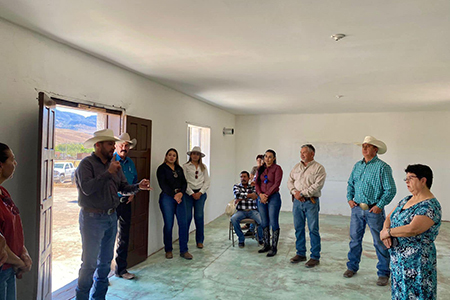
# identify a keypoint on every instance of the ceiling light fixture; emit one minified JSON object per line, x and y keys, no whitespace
{"x":338,"y":36}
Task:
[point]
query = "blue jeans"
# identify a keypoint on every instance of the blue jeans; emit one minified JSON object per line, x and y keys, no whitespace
{"x":7,"y":284}
{"x":170,"y":208}
{"x":123,"y":237}
{"x":309,"y":211}
{"x":242,"y":214}
{"x":270,"y":212}
{"x":199,"y":216}
{"x":358,"y":223}
{"x":98,"y":234}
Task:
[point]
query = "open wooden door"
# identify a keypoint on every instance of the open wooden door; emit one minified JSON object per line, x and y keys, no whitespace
{"x":140,"y":129}
{"x":45,"y":194}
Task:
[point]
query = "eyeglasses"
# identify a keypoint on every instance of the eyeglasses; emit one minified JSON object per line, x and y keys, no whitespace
{"x":196,"y":174}
{"x":409,"y":178}
{"x":175,"y":174}
{"x":265,"y":179}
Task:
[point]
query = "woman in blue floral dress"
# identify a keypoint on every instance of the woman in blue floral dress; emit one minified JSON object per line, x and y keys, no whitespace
{"x":409,"y":233}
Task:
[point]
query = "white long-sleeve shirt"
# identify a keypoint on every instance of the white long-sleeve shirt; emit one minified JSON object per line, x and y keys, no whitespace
{"x":308,"y":180}
{"x":202,"y":181}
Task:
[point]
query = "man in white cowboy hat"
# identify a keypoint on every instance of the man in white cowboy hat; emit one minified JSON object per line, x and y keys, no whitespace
{"x":370,"y":188}
{"x":123,"y":148}
{"x":98,"y":180}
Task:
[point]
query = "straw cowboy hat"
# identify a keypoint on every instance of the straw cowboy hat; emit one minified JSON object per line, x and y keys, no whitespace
{"x":196,"y":149}
{"x":100,"y":136}
{"x":125,"y":137}
{"x":382,"y":148}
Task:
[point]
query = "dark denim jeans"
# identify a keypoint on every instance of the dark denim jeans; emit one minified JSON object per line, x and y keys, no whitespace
{"x":7,"y":284}
{"x":307,"y":211}
{"x":199,"y":216}
{"x":170,"y":208}
{"x":358,"y":223}
{"x":270,"y":212}
{"x":98,"y":234}
{"x":240,"y":215}
{"x":123,"y":237}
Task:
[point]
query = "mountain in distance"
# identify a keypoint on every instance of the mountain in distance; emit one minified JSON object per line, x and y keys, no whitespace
{"x":77,"y":122}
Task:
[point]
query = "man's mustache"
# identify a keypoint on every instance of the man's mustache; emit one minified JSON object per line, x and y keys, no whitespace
{"x":124,"y":151}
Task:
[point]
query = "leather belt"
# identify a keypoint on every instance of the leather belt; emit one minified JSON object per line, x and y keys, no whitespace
{"x":369,"y":205}
{"x":99,"y":211}
{"x":312,"y":199}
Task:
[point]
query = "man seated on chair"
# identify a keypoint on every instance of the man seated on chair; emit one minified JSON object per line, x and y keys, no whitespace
{"x":245,"y":195}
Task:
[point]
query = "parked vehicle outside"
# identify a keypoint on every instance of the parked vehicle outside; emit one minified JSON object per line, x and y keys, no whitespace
{"x":63,"y":171}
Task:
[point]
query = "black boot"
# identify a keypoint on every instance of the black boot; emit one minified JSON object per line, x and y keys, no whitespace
{"x":275,"y":237}
{"x":266,"y":239}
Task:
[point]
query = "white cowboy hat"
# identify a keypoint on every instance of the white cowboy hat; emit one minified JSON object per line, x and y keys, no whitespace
{"x":100,"y":136}
{"x":382,"y":148}
{"x":196,"y":149}
{"x":125,"y":137}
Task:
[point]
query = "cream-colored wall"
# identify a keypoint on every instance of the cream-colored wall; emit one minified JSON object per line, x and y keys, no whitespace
{"x":29,"y":61}
{"x":419,"y":137}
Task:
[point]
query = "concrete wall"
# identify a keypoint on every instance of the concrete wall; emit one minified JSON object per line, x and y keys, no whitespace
{"x":419,"y":137}
{"x":31,"y":62}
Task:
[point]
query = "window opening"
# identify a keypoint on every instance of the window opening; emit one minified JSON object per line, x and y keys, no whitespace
{"x":200,"y":136}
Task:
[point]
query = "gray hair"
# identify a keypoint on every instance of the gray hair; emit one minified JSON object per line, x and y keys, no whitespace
{"x":310,"y":147}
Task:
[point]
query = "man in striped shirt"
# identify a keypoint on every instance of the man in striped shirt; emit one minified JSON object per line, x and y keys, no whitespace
{"x":245,"y":196}
{"x":370,"y":188}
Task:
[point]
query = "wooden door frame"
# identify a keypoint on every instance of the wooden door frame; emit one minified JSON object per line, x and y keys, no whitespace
{"x":68,"y":291}
{"x":137,"y":255}
{"x":46,"y":154}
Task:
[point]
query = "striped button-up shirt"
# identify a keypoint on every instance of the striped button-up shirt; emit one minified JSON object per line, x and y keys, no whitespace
{"x":371,"y":183}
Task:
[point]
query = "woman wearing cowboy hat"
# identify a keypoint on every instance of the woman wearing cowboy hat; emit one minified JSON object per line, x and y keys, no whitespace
{"x":198,"y":183}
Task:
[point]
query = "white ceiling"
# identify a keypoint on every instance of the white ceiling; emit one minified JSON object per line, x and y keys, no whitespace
{"x":265,"y":56}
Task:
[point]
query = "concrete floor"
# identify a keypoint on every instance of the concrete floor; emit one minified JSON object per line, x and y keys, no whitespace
{"x":220,"y":271}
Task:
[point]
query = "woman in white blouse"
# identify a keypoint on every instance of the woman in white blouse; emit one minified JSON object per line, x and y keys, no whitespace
{"x":198,"y":183}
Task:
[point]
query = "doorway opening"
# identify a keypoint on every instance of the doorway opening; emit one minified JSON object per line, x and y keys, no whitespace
{"x":73,"y":125}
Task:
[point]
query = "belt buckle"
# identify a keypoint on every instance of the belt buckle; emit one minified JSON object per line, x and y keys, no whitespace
{"x":110,"y":211}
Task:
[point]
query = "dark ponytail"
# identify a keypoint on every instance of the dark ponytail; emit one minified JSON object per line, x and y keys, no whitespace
{"x":3,"y":152}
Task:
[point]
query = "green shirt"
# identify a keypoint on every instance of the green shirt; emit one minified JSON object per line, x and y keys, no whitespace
{"x":371,"y":183}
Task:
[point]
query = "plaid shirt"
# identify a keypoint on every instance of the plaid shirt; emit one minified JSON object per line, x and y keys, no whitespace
{"x":371,"y":183}
{"x":241,"y":192}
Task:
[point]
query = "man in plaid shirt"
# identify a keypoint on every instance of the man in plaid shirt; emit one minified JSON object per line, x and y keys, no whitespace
{"x":370,"y":188}
{"x":245,"y":195}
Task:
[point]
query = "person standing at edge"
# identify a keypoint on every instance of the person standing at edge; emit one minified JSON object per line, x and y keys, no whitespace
{"x":197,"y":179}
{"x":268,"y":180}
{"x":14,"y":257}
{"x":123,"y":148}
{"x":370,"y":188}
{"x":305,"y":183}
{"x":99,"y":179}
